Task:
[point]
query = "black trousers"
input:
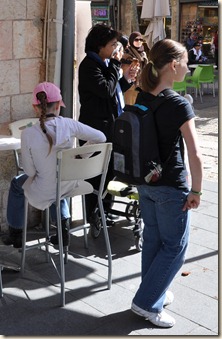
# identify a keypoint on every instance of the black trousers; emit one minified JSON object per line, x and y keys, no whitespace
{"x":91,"y":199}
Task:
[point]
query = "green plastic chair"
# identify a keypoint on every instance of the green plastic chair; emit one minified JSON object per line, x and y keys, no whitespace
{"x":180,"y":86}
{"x":207,"y":76}
{"x":193,"y":81}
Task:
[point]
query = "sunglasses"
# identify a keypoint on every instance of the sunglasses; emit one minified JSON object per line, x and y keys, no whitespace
{"x":138,"y":39}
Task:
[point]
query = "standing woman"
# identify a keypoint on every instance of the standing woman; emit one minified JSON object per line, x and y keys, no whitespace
{"x":135,"y":51}
{"x":102,"y":82}
{"x":166,"y":204}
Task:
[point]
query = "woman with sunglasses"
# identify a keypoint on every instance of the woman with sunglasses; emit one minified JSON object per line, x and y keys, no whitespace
{"x":135,"y":52}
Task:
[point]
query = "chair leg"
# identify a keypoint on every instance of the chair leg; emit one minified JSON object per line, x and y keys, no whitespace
{"x":59,"y":226}
{"x":106,"y":235}
{"x":202,"y":88}
{"x":47,"y":233}
{"x":70,"y":207}
{"x":24,"y":236}
{"x":24,"y":233}
{"x":201,"y":100}
{"x":196,"y":93}
{"x":61,"y":259}
{"x":66,"y":252}
{"x":84,"y":221}
{"x":1,"y":287}
{"x":19,"y":169}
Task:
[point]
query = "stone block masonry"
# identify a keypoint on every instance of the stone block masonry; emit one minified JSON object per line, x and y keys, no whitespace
{"x":21,"y":68}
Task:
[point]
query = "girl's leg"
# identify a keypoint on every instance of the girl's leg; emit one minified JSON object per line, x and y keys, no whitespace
{"x":160,"y":268}
{"x":15,"y":212}
{"x":16,"y":198}
{"x":65,"y":217}
{"x":151,"y":235}
{"x":64,"y":208}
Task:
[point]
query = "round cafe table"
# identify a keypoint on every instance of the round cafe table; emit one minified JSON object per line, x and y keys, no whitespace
{"x":8,"y":143}
{"x":193,"y":66}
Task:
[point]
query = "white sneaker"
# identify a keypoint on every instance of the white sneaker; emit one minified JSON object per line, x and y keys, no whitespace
{"x":169,"y":298}
{"x":161,"y":319}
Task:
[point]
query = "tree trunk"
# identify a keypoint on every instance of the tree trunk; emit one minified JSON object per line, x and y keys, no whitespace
{"x":135,"y":22}
{"x":126,"y":17}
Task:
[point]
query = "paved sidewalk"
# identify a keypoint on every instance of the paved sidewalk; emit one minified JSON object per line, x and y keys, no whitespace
{"x":30,"y":305}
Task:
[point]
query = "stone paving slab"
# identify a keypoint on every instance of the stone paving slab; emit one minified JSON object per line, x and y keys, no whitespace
{"x":30,"y":305}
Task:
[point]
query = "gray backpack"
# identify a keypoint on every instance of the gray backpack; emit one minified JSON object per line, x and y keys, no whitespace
{"x":135,"y":143}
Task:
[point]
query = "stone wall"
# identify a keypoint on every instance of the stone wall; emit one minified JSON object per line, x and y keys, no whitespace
{"x":21,"y":68}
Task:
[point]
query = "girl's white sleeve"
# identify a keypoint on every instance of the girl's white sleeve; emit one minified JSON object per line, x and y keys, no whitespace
{"x":27,"y":161}
{"x":88,"y":134}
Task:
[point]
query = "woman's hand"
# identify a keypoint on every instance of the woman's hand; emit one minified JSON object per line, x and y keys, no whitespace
{"x":193,"y":201}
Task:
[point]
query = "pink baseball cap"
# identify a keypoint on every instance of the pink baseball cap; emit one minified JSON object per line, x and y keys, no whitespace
{"x":52,"y":92}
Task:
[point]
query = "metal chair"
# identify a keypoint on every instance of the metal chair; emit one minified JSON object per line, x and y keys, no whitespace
{"x":77,"y":164}
{"x":207,"y":76}
{"x":16,"y":128}
{"x":193,"y":81}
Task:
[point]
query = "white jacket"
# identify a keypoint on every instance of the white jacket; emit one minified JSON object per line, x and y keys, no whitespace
{"x":197,"y":53}
{"x":40,"y":165}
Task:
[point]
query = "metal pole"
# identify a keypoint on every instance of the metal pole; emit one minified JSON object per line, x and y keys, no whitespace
{"x":135,"y":21}
{"x":67,"y":57}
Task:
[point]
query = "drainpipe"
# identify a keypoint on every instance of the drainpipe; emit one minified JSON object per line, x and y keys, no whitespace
{"x":53,"y":38}
{"x":66,"y":83}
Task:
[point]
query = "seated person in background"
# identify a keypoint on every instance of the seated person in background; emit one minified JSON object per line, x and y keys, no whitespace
{"x":195,"y":55}
{"x":190,"y":41}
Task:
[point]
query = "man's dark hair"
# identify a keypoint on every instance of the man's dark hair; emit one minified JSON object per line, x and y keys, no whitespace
{"x":99,"y":35}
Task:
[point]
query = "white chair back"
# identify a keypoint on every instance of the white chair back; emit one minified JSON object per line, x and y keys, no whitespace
{"x":16,"y":127}
{"x":78,"y":163}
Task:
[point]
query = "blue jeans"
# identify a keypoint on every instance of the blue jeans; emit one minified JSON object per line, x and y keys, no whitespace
{"x":16,"y":200}
{"x":165,"y":240}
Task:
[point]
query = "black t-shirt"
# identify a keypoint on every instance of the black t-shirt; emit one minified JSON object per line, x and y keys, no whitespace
{"x":170,"y":116}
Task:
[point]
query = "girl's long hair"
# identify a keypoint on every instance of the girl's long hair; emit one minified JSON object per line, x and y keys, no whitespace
{"x":162,"y":53}
{"x":44,"y":106}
